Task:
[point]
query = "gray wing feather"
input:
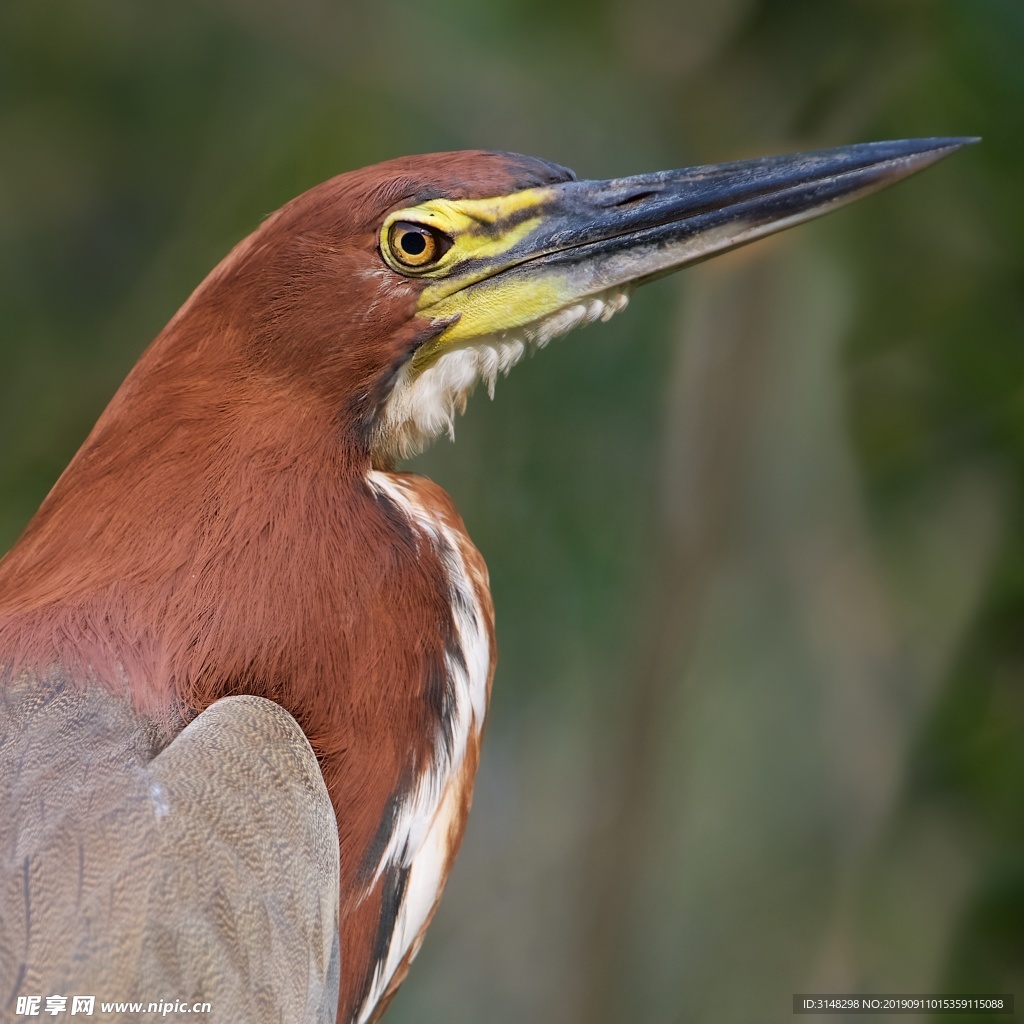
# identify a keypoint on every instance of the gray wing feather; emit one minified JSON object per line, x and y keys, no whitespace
{"x":136,"y":870}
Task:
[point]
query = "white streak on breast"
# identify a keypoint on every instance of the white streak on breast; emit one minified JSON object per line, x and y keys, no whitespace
{"x":425,"y":826}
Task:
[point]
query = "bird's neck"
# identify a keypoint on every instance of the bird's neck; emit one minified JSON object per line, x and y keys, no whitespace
{"x":180,"y":552}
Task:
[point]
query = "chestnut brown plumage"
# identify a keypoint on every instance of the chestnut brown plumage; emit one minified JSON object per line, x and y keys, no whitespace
{"x":233,"y":525}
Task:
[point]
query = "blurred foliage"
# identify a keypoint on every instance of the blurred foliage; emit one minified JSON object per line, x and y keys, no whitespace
{"x":759,"y":719}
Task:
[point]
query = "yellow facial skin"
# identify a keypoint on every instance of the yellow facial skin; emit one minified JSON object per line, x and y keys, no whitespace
{"x":482,"y":233}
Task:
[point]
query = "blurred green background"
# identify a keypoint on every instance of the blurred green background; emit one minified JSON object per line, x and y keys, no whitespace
{"x":756,"y":546}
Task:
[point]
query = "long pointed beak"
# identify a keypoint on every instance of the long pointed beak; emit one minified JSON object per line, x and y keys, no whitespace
{"x":592,"y":241}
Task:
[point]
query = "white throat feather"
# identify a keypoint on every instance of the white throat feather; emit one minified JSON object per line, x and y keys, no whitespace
{"x":424,"y":404}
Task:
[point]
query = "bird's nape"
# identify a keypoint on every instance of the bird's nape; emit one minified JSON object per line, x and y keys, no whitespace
{"x":234,"y":527}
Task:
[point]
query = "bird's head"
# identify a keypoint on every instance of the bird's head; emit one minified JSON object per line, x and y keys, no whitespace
{"x":393,"y":290}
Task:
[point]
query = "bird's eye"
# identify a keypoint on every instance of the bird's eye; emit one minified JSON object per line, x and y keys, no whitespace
{"x":414,"y":245}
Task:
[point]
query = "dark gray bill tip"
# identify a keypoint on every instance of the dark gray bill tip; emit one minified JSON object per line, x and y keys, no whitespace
{"x":938,"y":142}
{"x":915,"y":151}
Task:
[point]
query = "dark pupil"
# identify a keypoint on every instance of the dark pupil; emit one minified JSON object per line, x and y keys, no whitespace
{"x":413,"y":243}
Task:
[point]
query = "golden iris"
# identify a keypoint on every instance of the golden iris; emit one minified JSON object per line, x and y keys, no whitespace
{"x":414,"y":245}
